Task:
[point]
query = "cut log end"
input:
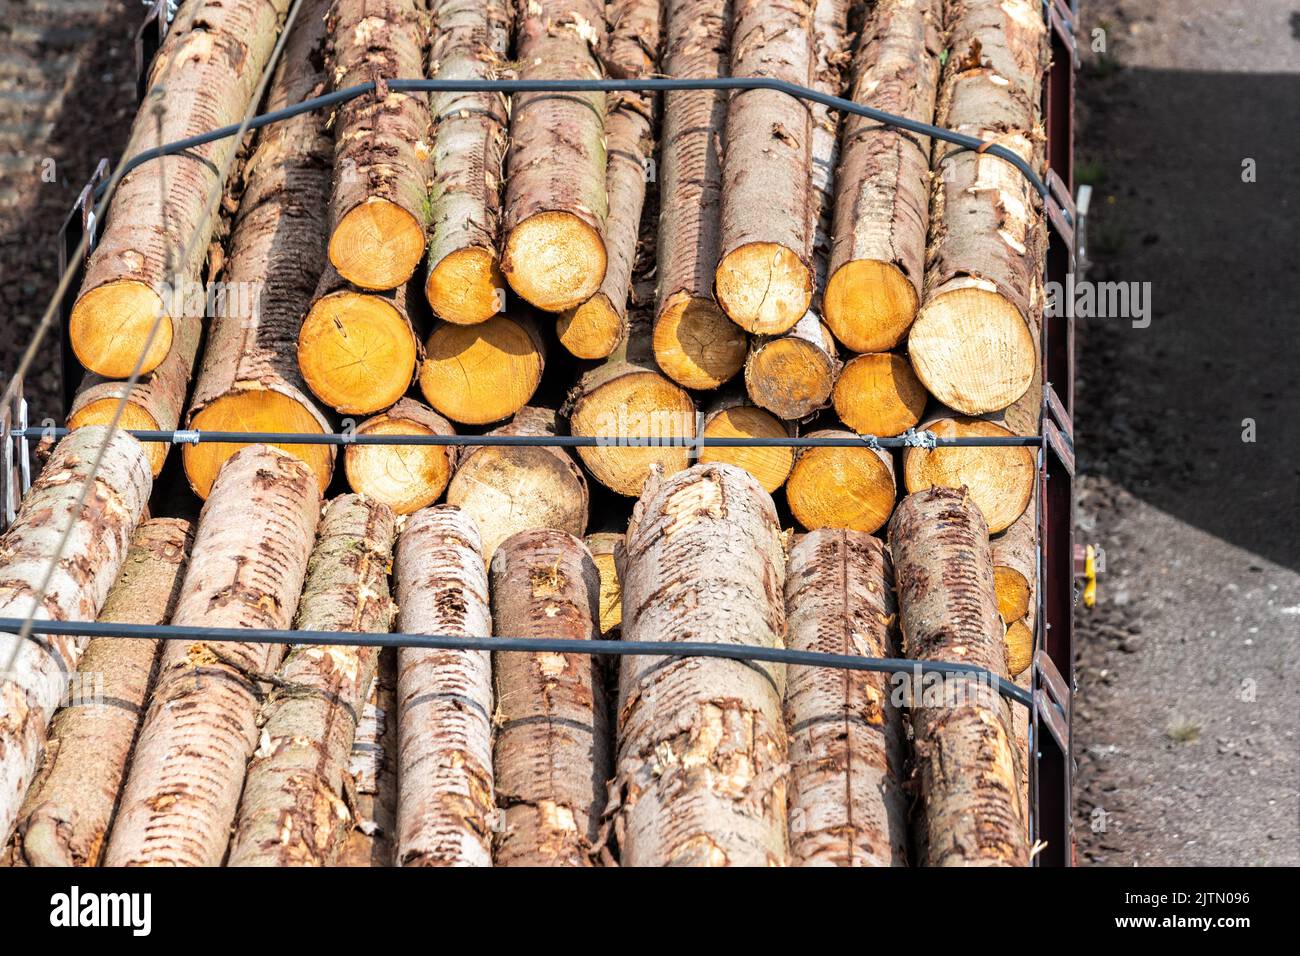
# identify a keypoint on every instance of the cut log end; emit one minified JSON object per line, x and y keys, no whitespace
{"x":1000,"y":481}
{"x":789,"y":376}
{"x":972,"y":349}
{"x":253,"y":410}
{"x":554,"y":260}
{"x":1013,"y":592}
{"x":635,"y":405}
{"x":466,"y":286}
{"x":133,"y":417}
{"x":356,"y":352}
{"x":479,"y":374}
{"x":842,"y":488}
{"x":869,"y":305}
{"x":404,"y":477}
{"x":771,"y":466}
{"x":602,"y":545}
{"x":695,"y":343}
{"x":592,"y":330}
{"x":377,"y":245}
{"x":879,"y":395}
{"x":764,"y":287}
{"x":110,"y":325}
{"x":1020,"y":648}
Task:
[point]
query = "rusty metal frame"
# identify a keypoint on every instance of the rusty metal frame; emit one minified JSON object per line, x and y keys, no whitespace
{"x":148,"y":40}
{"x":80,"y":221}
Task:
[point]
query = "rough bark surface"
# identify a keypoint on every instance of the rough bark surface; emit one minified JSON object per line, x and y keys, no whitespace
{"x":249,"y":378}
{"x":66,"y":815}
{"x":882,"y":199}
{"x":293,"y":812}
{"x":972,"y":343}
{"x":966,"y":763}
{"x":556,"y":203}
{"x":701,"y":774}
{"x":370,"y":785}
{"x":379,"y":207}
{"x":602,"y":546}
{"x":470,"y":42}
{"x":154,"y":403}
{"x":595,"y":328}
{"x":505,"y":490}
{"x":847,"y":803}
{"x":552,"y":750}
{"x":764,"y":278}
{"x":250,"y":556}
{"x":209,"y":66}
{"x":696,"y":344}
{"x":446,"y":808}
{"x":101,"y":530}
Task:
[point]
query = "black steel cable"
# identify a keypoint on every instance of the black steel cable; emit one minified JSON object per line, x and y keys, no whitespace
{"x":734,"y":652}
{"x":915,"y":440}
{"x":608,"y":86}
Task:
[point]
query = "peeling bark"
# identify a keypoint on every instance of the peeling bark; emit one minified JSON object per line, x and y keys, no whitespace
{"x":250,"y":557}
{"x":293,"y":812}
{"x":552,"y":750}
{"x":847,"y":805}
{"x":80,"y":583}
{"x":370,"y":785}
{"x":966,"y":762}
{"x":701,"y":774}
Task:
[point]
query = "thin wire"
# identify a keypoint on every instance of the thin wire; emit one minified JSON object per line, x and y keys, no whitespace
{"x":190,"y":437}
{"x":210,"y":207}
{"x":659,"y":84}
{"x":556,"y":645}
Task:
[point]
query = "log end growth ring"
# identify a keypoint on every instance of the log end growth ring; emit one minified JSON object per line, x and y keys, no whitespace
{"x":479,"y":374}
{"x":254,"y":410}
{"x":404,"y":477}
{"x":377,"y":245}
{"x":1000,"y":481}
{"x":771,"y":466}
{"x":110,"y":325}
{"x":466,"y":287}
{"x":763,"y":287}
{"x":695,"y":343}
{"x":790,"y":377}
{"x":554,"y":260}
{"x":869,"y":305}
{"x":973,"y":350}
{"x":356,"y":352}
{"x":592,"y":330}
{"x":134,"y":417}
{"x":842,"y":488}
{"x":879,"y":395}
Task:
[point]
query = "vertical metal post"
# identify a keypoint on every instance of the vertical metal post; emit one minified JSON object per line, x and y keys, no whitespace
{"x":80,"y":221}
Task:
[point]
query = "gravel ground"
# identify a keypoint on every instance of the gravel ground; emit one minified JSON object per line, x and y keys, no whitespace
{"x":1188,"y":723}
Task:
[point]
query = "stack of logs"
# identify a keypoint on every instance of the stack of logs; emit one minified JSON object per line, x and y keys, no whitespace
{"x":619,"y":265}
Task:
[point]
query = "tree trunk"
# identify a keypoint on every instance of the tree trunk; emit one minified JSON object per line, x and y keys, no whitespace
{"x":404,"y":477}
{"x":879,"y":394}
{"x":555,"y":191}
{"x":695,"y":343}
{"x":507,"y":489}
{"x":479,"y":374}
{"x":69,"y":807}
{"x":965,"y":752}
{"x":1000,"y":481}
{"x":595,"y":328}
{"x":463,"y":280}
{"x":732,"y":416}
{"x":379,"y":208}
{"x":292,"y":812}
{"x":1015,"y":562}
{"x":250,"y":556}
{"x":101,"y":530}
{"x":973,"y":340}
{"x":845,"y":487}
{"x":792,"y":375}
{"x":371,"y":781}
{"x":446,"y":809}
{"x":602,"y":546}
{"x":156,"y":400}
{"x":552,"y":746}
{"x":204,"y":77}
{"x":358,"y":351}
{"x":701,"y":777}
{"x":249,"y":378}
{"x":627,"y":397}
{"x":764,"y":280}
{"x":883,"y":185}
{"x":847,"y":803}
